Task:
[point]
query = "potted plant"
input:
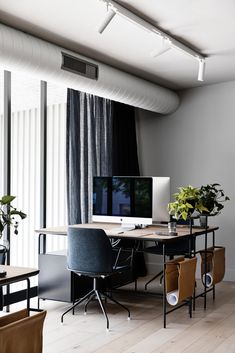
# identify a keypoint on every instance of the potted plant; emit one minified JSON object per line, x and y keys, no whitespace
{"x":206,"y":201}
{"x":187,"y":200}
{"x":212,"y":198}
{"x":9,"y":214}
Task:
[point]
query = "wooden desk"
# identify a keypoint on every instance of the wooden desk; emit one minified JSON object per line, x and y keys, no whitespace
{"x":148,"y":233}
{"x":17,"y":274}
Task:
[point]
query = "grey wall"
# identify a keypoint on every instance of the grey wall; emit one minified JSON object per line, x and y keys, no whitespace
{"x":196,"y":145}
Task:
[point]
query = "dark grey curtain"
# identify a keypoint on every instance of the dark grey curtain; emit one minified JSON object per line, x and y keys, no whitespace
{"x":124,"y":151}
{"x":88,"y":150}
{"x":125,"y":162}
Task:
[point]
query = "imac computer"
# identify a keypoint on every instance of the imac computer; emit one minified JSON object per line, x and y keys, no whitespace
{"x":131,"y":201}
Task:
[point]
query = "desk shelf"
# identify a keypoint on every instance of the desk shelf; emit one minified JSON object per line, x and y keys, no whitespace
{"x":56,"y":282}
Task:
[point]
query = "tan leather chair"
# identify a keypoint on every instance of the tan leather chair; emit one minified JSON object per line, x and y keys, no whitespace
{"x":20,"y":333}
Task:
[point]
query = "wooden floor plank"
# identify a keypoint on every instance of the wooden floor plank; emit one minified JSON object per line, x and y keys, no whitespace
{"x":209,"y":331}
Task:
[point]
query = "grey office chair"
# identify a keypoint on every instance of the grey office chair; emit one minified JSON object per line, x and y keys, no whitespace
{"x":90,"y":254}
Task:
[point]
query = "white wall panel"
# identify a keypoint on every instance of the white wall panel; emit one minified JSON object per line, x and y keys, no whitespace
{"x":196,"y":146}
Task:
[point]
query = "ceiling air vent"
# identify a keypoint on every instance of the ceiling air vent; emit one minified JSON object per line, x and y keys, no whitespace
{"x":78,"y":66}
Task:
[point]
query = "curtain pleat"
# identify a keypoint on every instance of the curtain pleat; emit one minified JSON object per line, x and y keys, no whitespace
{"x":88,"y":150}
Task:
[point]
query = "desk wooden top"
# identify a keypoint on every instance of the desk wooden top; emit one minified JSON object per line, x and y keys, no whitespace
{"x":15,"y":274}
{"x":148,"y":233}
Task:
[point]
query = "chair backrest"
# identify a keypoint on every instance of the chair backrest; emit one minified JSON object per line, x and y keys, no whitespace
{"x":89,"y":251}
{"x":3,"y":252}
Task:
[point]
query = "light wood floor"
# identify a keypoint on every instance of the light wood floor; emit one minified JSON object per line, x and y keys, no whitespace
{"x":211,"y":330}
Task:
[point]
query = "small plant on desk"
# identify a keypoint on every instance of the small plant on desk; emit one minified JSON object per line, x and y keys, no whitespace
{"x":212,"y":198}
{"x":187,"y":200}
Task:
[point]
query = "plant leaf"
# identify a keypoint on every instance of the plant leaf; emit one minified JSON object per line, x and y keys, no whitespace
{"x":7,"y":199}
{"x":1,"y":227}
{"x":19,"y":213}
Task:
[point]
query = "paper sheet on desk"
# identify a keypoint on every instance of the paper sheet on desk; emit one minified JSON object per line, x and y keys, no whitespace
{"x":134,"y":233}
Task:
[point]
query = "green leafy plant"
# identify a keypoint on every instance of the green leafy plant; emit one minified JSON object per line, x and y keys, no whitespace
{"x":9,"y":214}
{"x":187,"y":200}
{"x":212,"y":198}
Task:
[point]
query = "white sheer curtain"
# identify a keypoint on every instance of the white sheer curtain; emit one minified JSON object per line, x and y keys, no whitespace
{"x":25,"y":165}
{"x":1,"y":131}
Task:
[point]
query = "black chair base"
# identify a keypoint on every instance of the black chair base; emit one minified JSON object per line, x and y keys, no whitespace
{"x":89,"y":296}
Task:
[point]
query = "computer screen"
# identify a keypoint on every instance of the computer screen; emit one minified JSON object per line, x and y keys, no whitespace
{"x":130,"y":200}
{"x":132,"y":197}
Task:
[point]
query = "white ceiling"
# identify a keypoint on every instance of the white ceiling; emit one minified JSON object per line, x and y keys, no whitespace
{"x":208,"y":26}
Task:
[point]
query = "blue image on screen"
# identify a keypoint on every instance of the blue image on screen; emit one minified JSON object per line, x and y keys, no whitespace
{"x":121,"y":198}
{"x":100,"y":196}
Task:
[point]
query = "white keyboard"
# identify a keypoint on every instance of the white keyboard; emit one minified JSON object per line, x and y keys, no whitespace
{"x":120,"y":230}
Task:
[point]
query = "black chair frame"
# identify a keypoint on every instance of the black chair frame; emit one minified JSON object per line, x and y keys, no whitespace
{"x":96,"y":292}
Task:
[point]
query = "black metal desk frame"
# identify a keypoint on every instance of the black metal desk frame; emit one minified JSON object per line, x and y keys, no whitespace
{"x":5,"y":281}
{"x":194,"y":232}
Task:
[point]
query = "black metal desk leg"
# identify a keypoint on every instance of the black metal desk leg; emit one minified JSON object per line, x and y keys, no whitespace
{"x":1,"y":299}
{"x":28,"y":294}
{"x":193,"y":304}
{"x":213,"y":244}
{"x":205,"y":266}
{"x":164,"y":286}
{"x":190,"y":306}
{"x":41,"y":243}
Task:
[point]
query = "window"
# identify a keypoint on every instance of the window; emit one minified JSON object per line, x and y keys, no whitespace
{"x":56,"y":214}
{"x":25,"y":162}
{"x":1,"y":130}
{"x":25,"y":166}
